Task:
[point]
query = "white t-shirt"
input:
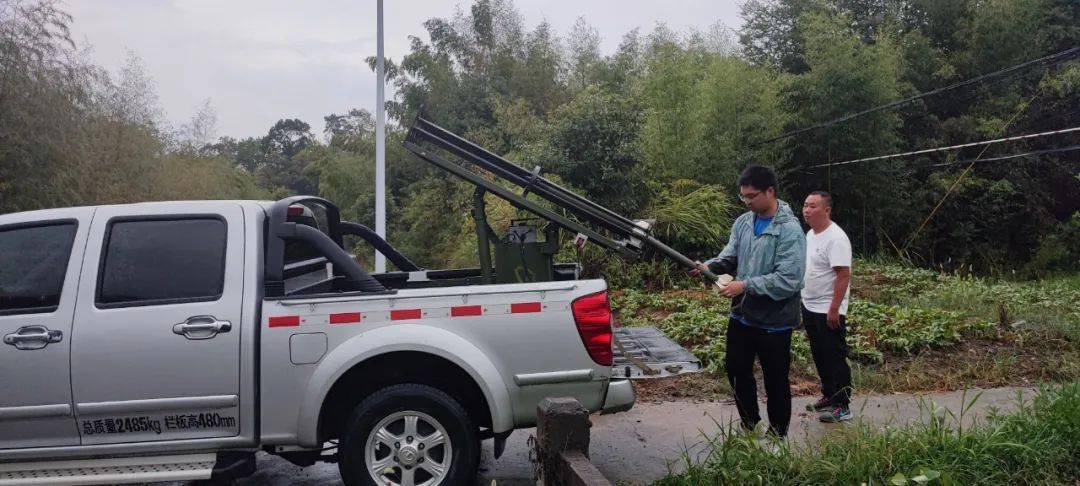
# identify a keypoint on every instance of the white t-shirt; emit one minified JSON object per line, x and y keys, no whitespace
{"x":825,"y":250}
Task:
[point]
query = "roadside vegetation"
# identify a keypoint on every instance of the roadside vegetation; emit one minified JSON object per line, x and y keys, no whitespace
{"x":911,"y":329}
{"x":1037,"y":444}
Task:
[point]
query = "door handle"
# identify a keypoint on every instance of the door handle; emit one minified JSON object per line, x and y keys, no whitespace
{"x":201,"y":327}
{"x":33,"y":337}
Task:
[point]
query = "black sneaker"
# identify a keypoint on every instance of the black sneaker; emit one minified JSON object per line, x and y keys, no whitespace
{"x":821,"y":405}
{"x":835,"y":415}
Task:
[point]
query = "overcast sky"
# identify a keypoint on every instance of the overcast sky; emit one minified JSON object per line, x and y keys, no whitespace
{"x":258,"y":61}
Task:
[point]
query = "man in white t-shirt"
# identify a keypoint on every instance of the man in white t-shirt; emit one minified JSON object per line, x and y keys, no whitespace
{"x":824,"y":305}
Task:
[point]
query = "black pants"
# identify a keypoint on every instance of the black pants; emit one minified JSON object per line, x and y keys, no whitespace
{"x":830,"y":351}
{"x":774,"y":351}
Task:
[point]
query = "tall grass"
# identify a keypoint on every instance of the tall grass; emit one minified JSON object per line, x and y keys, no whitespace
{"x":1038,"y":444}
{"x":690,"y":215}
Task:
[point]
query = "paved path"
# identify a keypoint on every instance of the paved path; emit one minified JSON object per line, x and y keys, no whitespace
{"x":638,"y":446}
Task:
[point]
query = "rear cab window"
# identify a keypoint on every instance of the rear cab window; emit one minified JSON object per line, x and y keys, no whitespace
{"x":305,"y":267}
{"x":33,"y":263}
{"x":299,"y":251}
{"x":162,"y":261}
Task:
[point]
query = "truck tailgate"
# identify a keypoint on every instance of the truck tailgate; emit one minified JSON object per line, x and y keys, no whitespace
{"x":645,"y":352}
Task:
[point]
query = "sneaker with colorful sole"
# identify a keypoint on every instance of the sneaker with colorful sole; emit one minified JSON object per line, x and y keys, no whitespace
{"x":821,"y":405}
{"x":835,"y":415}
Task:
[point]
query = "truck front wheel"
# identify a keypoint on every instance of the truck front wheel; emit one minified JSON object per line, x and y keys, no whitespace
{"x":408,"y":435}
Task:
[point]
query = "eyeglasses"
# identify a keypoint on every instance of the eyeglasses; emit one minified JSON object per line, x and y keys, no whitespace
{"x":749,"y":197}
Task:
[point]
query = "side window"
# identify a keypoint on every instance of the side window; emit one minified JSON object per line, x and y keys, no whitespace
{"x":33,"y":262}
{"x":148,"y":262}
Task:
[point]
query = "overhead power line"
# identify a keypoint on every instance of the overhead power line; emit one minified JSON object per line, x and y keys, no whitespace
{"x":1013,"y":156}
{"x":1052,"y":59}
{"x":967,"y":170}
{"x":951,"y":147}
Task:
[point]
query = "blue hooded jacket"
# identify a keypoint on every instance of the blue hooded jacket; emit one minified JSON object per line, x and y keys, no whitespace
{"x":772,"y":266}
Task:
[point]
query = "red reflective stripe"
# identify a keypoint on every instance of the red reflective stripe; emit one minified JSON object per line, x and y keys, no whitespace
{"x":523,"y":307}
{"x":346,"y":318}
{"x":399,"y":315}
{"x":285,"y":321}
{"x":466,"y":310}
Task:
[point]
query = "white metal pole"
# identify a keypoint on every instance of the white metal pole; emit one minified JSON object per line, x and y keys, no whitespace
{"x":380,"y":141}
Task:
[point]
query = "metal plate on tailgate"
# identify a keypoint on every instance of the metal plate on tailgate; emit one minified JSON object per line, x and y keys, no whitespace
{"x":645,"y":352}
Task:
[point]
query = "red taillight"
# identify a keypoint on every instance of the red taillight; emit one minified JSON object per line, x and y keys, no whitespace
{"x":296,"y":210}
{"x":592,"y":314}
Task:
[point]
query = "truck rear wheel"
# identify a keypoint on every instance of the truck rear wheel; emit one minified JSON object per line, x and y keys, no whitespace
{"x":408,"y":435}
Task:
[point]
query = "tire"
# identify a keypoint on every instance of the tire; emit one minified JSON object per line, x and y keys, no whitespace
{"x":453,"y":460}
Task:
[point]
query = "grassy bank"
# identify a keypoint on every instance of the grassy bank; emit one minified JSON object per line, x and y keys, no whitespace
{"x":1038,"y":444}
{"x":909,"y":329}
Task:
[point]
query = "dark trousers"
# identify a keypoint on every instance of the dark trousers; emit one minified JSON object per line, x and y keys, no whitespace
{"x":773,"y":349}
{"x":830,"y":350}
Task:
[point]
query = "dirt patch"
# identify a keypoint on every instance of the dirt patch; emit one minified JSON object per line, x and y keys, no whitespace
{"x":1015,"y":360}
{"x":694,"y":387}
{"x":708,"y":387}
{"x":869,"y":285}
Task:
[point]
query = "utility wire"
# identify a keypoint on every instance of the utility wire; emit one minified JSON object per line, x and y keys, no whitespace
{"x":1023,"y":107}
{"x":1070,"y":148}
{"x":1013,"y":156}
{"x":1052,"y":59}
{"x":950,"y":147}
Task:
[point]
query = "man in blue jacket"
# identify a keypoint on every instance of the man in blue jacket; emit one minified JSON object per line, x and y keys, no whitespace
{"x":766,"y":253}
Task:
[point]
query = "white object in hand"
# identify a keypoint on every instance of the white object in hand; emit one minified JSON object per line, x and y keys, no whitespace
{"x":723,"y":279}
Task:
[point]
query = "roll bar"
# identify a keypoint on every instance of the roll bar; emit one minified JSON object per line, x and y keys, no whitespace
{"x":330,"y":244}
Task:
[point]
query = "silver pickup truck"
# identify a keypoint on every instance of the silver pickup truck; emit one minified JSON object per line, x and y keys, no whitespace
{"x":170,"y":341}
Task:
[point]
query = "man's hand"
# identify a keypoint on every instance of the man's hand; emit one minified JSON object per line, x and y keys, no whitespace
{"x":733,"y":288}
{"x":833,"y":318}
{"x":698,"y":267}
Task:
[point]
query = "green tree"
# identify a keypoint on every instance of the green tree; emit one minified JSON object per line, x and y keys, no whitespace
{"x":670,"y":93}
{"x":280,"y":163}
{"x":702,"y":111}
{"x":350,"y":128}
{"x":42,"y":94}
{"x":474,"y":61}
{"x":1003,"y":33}
{"x":771,"y":35}
{"x":593,"y":148}
{"x":288,"y":137}
{"x":846,"y":75}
